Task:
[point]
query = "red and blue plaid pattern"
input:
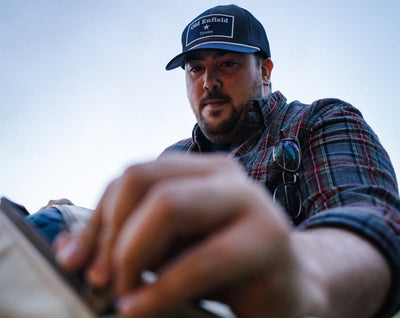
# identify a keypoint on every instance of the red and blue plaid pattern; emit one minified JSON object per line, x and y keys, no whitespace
{"x":346,"y":178}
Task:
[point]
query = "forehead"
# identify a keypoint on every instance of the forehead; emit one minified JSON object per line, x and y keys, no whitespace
{"x":204,"y":54}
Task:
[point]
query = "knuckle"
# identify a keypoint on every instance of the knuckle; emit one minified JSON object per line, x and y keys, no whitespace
{"x":164,"y":200}
{"x":227,"y":164}
{"x":130,"y":172}
{"x":164,"y":194}
{"x":134,"y":174}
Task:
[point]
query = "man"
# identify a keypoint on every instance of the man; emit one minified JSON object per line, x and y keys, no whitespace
{"x":210,"y":228}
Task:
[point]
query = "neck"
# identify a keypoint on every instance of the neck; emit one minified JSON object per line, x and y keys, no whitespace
{"x":267,"y":90}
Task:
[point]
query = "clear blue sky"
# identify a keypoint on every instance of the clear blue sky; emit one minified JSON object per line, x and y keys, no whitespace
{"x":84,"y":93}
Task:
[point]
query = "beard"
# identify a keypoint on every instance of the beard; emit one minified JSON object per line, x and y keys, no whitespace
{"x":224,"y":131}
{"x":221,"y":131}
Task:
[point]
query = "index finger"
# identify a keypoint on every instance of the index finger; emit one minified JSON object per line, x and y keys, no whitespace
{"x":94,"y":243}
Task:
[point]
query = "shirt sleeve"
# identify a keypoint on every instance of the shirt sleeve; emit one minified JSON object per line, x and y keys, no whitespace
{"x":347,"y":181}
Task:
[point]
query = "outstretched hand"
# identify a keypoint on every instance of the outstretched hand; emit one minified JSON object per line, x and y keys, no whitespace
{"x":202,"y":226}
{"x":52,"y":203}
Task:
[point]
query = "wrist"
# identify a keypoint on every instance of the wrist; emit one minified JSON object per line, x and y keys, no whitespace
{"x":339,"y":273}
{"x":311,"y":286}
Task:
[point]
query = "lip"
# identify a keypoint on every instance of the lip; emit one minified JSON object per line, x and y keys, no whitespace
{"x":214,"y":103}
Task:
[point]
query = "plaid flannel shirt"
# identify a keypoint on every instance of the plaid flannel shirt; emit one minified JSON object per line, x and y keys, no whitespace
{"x":346,"y":178}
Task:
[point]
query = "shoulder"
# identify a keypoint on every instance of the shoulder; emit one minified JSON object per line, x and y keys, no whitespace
{"x":321,"y":108}
{"x":277,"y":111}
{"x":333,"y":106}
{"x":327,"y":116}
{"x":307,"y":117}
{"x":180,"y":146}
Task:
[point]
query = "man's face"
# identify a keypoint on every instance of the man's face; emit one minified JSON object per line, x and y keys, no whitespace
{"x":219,"y":86}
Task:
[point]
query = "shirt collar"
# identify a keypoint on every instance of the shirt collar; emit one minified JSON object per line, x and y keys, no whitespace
{"x":260,"y":113}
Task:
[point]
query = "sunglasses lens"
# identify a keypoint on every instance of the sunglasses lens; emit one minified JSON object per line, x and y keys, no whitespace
{"x":287,"y":155}
{"x":289,"y":196}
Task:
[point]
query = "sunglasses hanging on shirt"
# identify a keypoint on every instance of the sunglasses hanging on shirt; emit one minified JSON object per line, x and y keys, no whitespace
{"x":287,"y":155}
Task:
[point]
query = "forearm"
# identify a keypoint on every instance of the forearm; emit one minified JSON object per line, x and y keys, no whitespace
{"x":343,"y":274}
{"x":259,"y":265}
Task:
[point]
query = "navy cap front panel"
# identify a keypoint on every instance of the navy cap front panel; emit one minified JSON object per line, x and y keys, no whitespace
{"x":223,"y":27}
{"x":214,"y":25}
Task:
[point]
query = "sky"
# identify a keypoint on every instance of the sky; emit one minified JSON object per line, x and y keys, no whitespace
{"x":84,"y":92}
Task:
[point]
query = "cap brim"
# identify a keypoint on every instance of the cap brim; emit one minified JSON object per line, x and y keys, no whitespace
{"x":179,"y":60}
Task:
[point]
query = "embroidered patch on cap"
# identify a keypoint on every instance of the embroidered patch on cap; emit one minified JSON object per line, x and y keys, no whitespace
{"x":209,"y":26}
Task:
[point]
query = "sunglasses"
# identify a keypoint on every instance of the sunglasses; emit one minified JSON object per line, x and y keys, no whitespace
{"x":287,"y":155}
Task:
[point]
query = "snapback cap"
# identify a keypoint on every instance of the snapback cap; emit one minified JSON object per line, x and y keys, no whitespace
{"x":227,"y":27}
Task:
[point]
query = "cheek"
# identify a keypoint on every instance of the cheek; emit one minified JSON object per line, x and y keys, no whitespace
{"x":192,"y":92}
{"x":250,"y":88}
{"x":193,"y":101}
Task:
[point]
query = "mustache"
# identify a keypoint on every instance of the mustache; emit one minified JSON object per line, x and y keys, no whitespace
{"x":214,"y":95}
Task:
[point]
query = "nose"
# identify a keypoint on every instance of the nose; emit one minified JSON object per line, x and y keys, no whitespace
{"x":211,"y":80}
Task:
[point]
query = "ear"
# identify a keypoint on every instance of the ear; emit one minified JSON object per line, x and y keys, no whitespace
{"x":267,"y":67}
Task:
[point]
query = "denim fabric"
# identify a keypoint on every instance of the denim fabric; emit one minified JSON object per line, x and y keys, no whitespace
{"x":49,"y":223}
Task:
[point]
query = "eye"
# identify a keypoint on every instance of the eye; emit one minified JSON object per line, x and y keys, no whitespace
{"x":229,"y":64}
{"x":194,"y":69}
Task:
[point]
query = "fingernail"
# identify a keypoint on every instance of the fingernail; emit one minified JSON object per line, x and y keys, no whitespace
{"x":127,"y":305}
{"x":98,"y":272}
{"x":69,"y":252}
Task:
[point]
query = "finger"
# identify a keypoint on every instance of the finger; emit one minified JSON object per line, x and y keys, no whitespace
{"x":198,"y":273}
{"x":51,"y":203}
{"x":62,"y":201}
{"x":180,"y":208}
{"x":118,"y":202}
{"x":73,"y":250}
{"x":76,"y":250}
{"x":123,"y":195}
{"x":229,"y":255}
{"x":156,"y":219}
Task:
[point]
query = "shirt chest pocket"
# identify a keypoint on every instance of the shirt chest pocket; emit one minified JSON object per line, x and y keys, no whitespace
{"x":262,"y":168}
